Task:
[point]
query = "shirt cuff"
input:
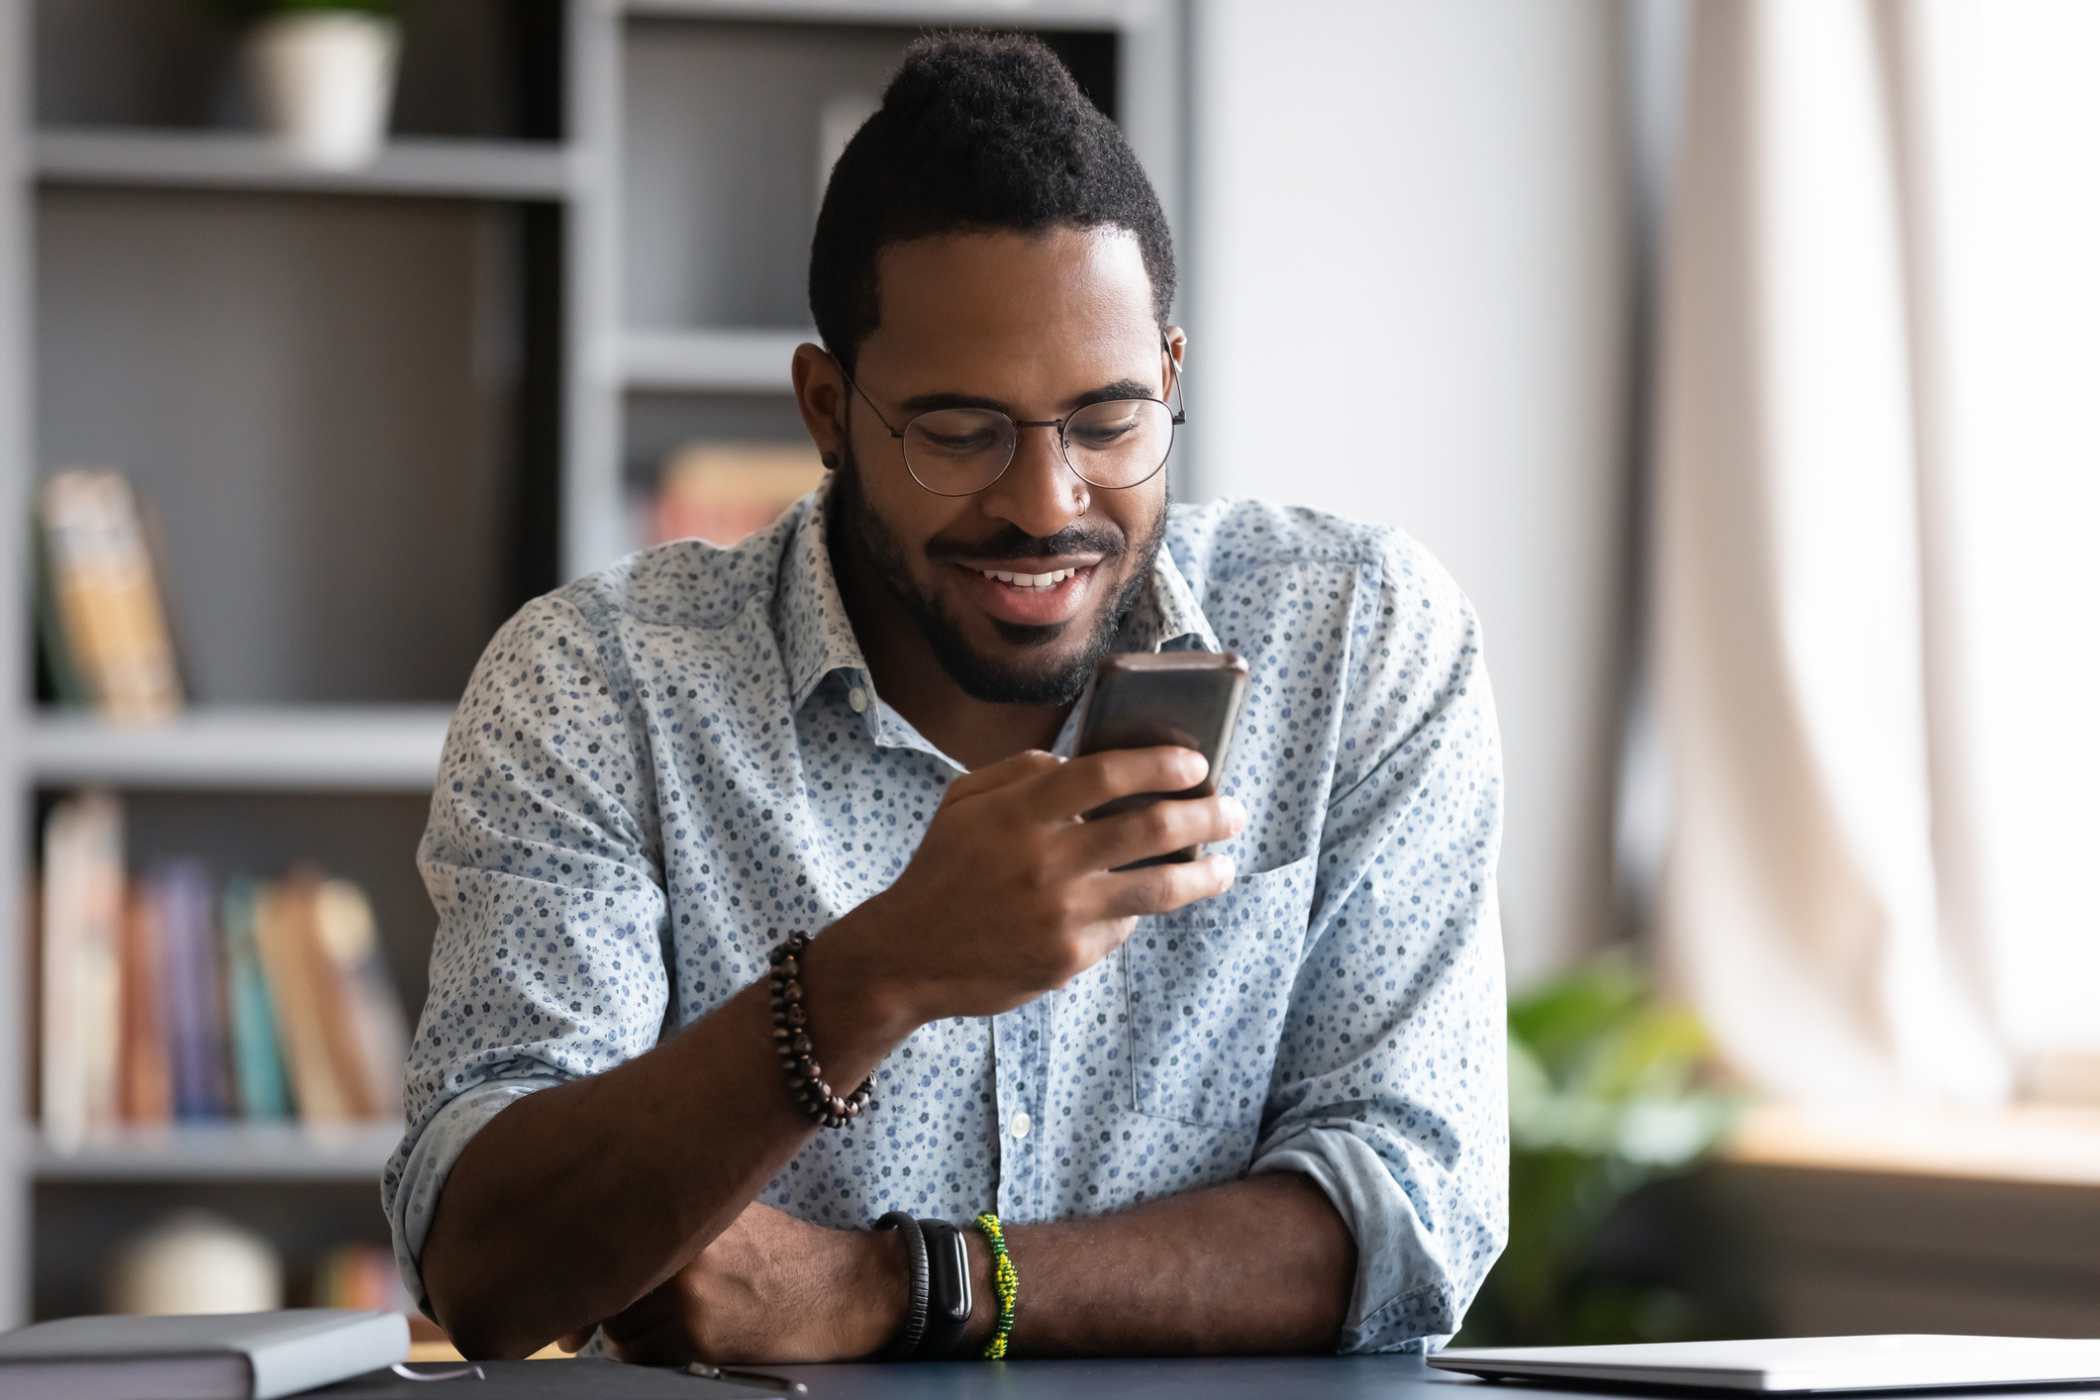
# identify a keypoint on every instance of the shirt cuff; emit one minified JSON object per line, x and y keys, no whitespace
{"x":1405,"y":1297}
{"x":430,"y":1161}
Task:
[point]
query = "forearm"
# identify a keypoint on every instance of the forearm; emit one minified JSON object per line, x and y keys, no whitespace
{"x":575,"y":1201}
{"x":1259,"y":1266}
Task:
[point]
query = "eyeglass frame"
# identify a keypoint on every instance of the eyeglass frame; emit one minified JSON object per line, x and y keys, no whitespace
{"x":1175,"y":419}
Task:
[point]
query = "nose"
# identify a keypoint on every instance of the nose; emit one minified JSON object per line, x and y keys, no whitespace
{"x":1039,"y":494}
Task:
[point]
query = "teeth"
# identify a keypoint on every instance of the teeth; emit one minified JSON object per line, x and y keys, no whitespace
{"x":1029,"y":580}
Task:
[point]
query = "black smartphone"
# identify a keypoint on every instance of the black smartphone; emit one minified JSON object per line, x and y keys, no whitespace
{"x":1139,"y":699}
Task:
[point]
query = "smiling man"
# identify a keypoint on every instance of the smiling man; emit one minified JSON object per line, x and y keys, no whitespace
{"x":722,"y":834}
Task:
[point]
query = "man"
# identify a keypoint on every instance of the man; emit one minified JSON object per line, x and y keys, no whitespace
{"x":1252,"y":1102}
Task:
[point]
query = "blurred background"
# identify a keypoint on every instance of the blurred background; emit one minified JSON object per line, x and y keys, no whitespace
{"x":1738,"y":358}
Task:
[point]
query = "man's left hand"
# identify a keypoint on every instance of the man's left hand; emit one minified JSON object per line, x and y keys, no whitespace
{"x":770,"y":1288}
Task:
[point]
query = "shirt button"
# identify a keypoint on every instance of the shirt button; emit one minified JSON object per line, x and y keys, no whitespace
{"x":1022,"y":1124}
{"x":858,"y":699}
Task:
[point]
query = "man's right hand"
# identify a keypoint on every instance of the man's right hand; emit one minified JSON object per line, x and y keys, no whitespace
{"x":1012,"y":894}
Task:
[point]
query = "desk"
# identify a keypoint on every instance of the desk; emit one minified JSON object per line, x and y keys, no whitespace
{"x":1238,"y":1378}
{"x":1235,"y":1378}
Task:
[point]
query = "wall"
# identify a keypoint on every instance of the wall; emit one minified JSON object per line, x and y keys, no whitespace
{"x":1411,"y":266}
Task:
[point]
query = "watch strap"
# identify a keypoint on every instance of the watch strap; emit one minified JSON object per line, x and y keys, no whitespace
{"x":906,"y":1343}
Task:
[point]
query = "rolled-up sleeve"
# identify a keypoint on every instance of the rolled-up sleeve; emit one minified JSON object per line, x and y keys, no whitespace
{"x":542,"y":862}
{"x":1389,"y":1090}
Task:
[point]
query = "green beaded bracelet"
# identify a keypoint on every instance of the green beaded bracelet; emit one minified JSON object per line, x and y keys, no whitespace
{"x":1005,"y":1280}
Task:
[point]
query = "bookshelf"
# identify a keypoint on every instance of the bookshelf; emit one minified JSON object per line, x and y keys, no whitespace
{"x":375,"y":410}
{"x":524,"y":170}
{"x":221,"y":1152}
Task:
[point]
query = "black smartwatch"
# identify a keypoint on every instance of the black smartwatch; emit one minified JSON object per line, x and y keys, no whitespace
{"x":948,"y":1289}
{"x":906,"y":1343}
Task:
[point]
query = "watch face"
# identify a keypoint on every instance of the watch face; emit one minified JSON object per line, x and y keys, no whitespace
{"x":953,"y":1299}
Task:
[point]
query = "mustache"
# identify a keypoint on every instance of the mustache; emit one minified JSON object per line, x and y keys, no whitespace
{"x":1013,"y":544}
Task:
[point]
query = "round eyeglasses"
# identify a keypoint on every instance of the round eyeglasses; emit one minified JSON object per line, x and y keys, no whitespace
{"x":1112,"y":444}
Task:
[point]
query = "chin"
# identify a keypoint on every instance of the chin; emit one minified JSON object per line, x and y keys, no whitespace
{"x":1027,"y":665}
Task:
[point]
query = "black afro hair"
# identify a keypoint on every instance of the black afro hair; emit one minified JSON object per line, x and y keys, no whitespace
{"x":977,"y":132}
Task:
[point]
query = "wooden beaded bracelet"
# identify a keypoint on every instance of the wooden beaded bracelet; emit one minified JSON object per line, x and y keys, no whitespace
{"x":798,"y":1051}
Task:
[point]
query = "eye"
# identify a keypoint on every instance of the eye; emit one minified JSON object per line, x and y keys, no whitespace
{"x":1103,"y":426}
{"x":959,"y":432}
{"x":1101,"y":434}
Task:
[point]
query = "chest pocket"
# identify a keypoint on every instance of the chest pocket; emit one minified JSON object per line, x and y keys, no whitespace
{"x":1208,"y":988}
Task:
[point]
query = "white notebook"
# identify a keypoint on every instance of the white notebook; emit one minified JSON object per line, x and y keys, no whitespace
{"x":209,"y":1356}
{"x":1789,"y":1364}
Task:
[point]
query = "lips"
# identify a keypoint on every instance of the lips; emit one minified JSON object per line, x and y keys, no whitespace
{"x":1029,"y":595}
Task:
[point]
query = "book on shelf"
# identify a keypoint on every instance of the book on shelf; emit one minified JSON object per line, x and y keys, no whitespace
{"x":101,"y":612}
{"x":722,"y":491}
{"x":365,"y":1276}
{"x":145,"y":1077}
{"x":177,"y":998}
{"x":258,"y":1064}
{"x":344,"y":1030}
{"x":81,"y":926}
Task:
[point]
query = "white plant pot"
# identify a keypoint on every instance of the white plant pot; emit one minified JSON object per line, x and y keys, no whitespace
{"x":325,"y":84}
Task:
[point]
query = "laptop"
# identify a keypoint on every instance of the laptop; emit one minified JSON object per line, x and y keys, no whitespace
{"x":1793,"y":1364}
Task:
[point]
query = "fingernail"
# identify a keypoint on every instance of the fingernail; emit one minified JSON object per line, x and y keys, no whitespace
{"x":1237,"y":810}
{"x":1231,"y":870}
{"x":1194,"y":764}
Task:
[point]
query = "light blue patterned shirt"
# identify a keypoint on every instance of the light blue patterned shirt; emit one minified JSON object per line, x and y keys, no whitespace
{"x":661,"y":770}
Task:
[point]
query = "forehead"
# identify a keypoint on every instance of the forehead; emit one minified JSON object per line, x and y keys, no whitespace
{"x":1011,"y":308}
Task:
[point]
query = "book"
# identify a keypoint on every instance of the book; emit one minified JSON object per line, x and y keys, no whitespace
{"x":60,"y":676}
{"x":723,"y":491}
{"x":113,"y":639}
{"x":182,"y":892}
{"x":261,"y":1091}
{"x":374,"y":1030}
{"x":216,"y":1356}
{"x":363,"y":1276}
{"x":145,"y":1078}
{"x":303,"y":1001}
{"x":82,"y":990}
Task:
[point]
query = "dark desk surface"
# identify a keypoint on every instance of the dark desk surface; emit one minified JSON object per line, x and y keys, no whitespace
{"x":1235,"y":1378}
{"x":1254,"y":1378}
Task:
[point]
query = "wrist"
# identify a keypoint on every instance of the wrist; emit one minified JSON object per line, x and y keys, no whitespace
{"x":858,"y":950}
{"x":880,"y":1283}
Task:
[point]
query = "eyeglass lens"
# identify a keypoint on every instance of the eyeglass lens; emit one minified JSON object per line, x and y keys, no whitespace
{"x":1115,"y":443}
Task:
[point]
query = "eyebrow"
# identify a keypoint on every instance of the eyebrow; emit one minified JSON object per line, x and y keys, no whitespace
{"x":1120,"y":389}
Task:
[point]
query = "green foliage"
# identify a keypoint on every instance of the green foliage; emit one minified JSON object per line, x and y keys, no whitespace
{"x":1606,"y":1096}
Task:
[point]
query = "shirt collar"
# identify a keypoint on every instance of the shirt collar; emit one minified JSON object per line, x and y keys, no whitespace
{"x":809,"y":618}
{"x":816,"y":634}
{"x":1167,"y":615}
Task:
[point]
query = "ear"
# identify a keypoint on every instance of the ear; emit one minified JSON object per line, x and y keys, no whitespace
{"x":1177,"y":341}
{"x":820,"y":395}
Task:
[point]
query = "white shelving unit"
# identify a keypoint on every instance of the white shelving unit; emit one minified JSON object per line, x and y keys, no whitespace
{"x":460,"y":169}
{"x":723,"y":361}
{"x":337,"y":748}
{"x":231,"y":1152}
{"x":378,"y":409}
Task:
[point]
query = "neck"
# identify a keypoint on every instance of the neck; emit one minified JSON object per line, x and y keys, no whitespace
{"x":910,"y":678}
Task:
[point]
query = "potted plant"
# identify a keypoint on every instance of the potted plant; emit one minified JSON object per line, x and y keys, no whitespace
{"x":1610,"y":1093}
{"x":323,"y":75}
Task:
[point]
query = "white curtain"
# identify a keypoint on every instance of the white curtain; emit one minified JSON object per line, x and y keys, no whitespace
{"x":1875,"y":517}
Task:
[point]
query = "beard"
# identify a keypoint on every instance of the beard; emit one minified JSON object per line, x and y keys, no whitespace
{"x":855,"y":525}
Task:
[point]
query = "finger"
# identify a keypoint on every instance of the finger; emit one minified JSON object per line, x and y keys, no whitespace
{"x":1029,"y":763}
{"x":1157,"y":828}
{"x":1159,"y":889}
{"x":1092,"y":779}
{"x":574,"y":1342}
